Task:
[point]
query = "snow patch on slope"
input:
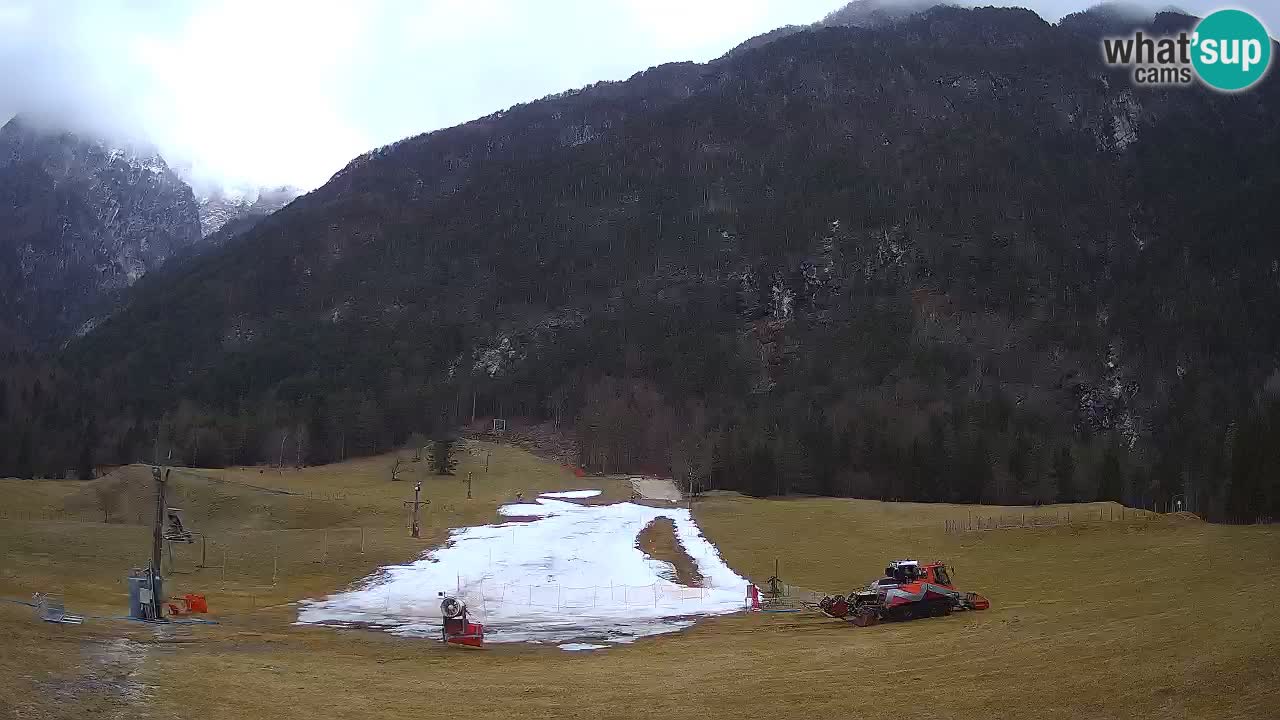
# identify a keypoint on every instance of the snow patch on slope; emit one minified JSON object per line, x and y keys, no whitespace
{"x":571,"y":494}
{"x":574,"y":574}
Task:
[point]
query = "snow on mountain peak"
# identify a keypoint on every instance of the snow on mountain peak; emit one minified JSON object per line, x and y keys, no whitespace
{"x":220,"y":205}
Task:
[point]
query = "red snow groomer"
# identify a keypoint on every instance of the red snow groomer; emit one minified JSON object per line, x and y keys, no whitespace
{"x":907,"y":591}
{"x":457,"y":629}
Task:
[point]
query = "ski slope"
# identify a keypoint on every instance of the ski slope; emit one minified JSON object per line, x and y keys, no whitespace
{"x":572,"y":573}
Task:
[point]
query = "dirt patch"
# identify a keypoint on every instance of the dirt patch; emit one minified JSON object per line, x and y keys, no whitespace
{"x":105,"y":681}
{"x":658,"y":541}
{"x":545,"y":440}
{"x":656,"y":489}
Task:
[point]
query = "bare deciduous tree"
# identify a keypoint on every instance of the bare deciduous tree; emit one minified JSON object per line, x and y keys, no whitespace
{"x":108,"y":496}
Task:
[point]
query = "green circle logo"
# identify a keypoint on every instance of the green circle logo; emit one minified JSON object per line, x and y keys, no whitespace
{"x":1231,"y":50}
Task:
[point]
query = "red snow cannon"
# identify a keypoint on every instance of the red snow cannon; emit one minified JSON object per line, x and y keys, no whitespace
{"x":457,"y":629}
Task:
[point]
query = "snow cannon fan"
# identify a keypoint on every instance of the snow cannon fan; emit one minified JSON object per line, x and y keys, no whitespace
{"x":457,"y":630}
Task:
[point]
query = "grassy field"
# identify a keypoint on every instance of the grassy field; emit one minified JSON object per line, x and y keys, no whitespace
{"x":1161,"y":617}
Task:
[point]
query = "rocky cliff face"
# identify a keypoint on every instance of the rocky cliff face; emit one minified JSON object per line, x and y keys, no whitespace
{"x":221,"y":207}
{"x":79,"y":222}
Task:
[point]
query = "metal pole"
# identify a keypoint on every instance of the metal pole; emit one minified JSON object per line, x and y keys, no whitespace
{"x":469,"y":485}
{"x":417,"y":487}
{"x":157,"y":542}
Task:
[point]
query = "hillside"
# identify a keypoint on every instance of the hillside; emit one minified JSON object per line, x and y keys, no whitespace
{"x":939,"y":259}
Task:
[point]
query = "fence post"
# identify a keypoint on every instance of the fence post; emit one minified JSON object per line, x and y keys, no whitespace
{"x":362,"y":540}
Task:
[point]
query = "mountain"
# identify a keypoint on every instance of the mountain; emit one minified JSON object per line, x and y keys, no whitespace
{"x":81,"y":222}
{"x":858,"y":13}
{"x":876,"y":13}
{"x":85,"y":220}
{"x":221,"y":206}
{"x":950,"y":258}
{"x":1112,"y":18}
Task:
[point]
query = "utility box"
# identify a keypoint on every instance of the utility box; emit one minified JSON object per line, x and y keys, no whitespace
{"x":141,"y":606}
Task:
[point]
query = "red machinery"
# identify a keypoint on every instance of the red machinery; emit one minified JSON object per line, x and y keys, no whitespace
{"x":907,"y":591}
{"x":457,"y":629}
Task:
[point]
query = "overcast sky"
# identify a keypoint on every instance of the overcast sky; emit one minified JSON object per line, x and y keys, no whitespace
{"x":273,"y":92}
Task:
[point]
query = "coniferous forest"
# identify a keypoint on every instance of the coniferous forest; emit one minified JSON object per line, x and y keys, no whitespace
{"x":950,"y":259}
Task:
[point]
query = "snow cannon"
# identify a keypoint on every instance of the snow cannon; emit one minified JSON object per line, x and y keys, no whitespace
{"x":908,"y":590}
{"x":457,"y":630}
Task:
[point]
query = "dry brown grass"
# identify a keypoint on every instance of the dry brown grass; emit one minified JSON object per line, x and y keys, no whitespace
{"x":658,"y":540}
{"x":1121,"y":619}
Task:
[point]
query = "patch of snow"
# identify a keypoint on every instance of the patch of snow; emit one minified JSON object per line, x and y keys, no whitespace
{"x":524,"y":510}
{"x":571,"y":494}
{"x":783,"y":299}
{"x":1124,"y":121}
{"x":574,"y":647}
{"x":492,"y":359}
{"x":87,"y":326}
{"x":574,"y":574}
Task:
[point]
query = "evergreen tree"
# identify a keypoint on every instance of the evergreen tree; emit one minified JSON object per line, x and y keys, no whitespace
{"x":761,"y":472}
{"x":1064,"y":473}
{"x":1020,"y":464}
{"x":1110,"y":475}
{"x":24,"y":465}
{"x":84,"y":466}
{"x":318,"y":450}
{"x":442,"y":461}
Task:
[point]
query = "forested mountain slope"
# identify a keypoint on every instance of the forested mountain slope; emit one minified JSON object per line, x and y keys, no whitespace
{"x":951,"y":258}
